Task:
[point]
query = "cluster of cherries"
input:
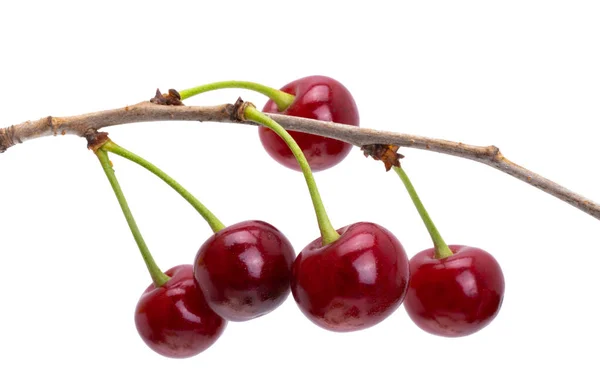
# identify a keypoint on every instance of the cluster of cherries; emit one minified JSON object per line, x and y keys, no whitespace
{"x":346,"y":280}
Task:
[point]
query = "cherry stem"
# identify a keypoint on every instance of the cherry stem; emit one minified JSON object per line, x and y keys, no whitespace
{"x":158,"y":277}
{"x":215,"y":224}
{"x":282,"y":99}
{"x":441,"y":248}
{"x":328,"y":232}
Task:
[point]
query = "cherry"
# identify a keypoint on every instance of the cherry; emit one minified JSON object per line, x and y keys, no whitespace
{"x":244,"y":270}
{"x":320,"y":98}
{"x":454,"y":290}
{"x":457,"y":295}
{"x":354,"y":282}
{"x":174,"y":319}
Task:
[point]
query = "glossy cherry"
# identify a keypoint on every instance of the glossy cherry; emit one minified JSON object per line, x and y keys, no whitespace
{"x":457,"y":295}
{"x":320,"y":98}
{"x":354,"y":282}
{"x":174,"y":320}
{"x":244,"y":270}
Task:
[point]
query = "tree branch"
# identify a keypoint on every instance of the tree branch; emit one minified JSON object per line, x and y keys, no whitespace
{"x":83,"y":125}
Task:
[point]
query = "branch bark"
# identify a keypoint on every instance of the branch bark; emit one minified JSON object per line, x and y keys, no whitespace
{"x":86,"y":124}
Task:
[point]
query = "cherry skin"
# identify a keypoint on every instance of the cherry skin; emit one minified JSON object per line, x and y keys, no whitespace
{"x":244,"y":270}
{"x":174,"y":320}
{"x":353,"y":283}
{"x":320,"y":98}
{"x":457,"y":295}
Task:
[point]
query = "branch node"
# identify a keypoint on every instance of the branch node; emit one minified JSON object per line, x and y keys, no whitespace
{"x":51,"y":125}
{"x":239,"y":108}
{"x":387,"y":153}
{"x":7,"y":138}
{"x":495,"y":153}
{"x":171,"y":98}
{"x":96,"y":139}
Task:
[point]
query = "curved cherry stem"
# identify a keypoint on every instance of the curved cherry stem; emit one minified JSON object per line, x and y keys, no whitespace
{"x":282,"y":99}
{"x":158,"y":277}
{"x":328,"y":232}
{"x":441,"y":248}
{"x":215,"y":224}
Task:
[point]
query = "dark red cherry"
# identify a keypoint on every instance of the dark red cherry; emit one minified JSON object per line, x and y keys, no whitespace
{"x":174,"y":319}
{"x":354,"y":282}
{"x":320,"y":98}
{"x":457,"y":295}
{"x":244,"y":270}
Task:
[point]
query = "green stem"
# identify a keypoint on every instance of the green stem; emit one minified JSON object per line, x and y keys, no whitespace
{"x":211,"y":219}
{"x":328,"y":232}
{"x":282,"y":99}
{"x":158,"y":277}
{"x":441,"y":248}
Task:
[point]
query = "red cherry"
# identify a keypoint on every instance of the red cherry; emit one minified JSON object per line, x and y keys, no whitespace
{"x":457,"y":295}
{"x":319,"y":98}
{"x":174,"y":319}
{"x":354,"y":282}
{"x":244,"y":270}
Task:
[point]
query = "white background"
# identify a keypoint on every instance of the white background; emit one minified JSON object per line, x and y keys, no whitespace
{"x":523,"y":75}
